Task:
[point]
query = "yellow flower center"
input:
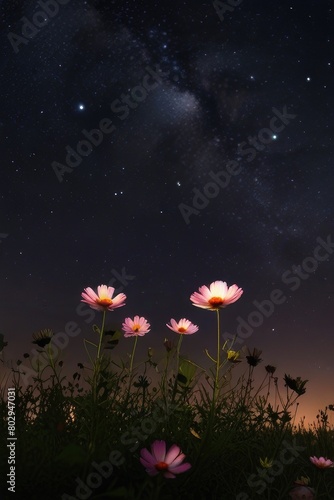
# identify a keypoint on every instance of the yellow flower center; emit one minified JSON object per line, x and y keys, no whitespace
{"x":232,"y":355}
{"x":216,"y":302}
{"x":136,"y":327}
{"x":105,"y":301}
{"x":161,"y":466}
{"x":182,"y":329}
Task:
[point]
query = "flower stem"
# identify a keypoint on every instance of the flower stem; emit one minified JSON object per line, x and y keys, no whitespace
{"x":95,"y":413}
{"x":164,"y":378}
{"x":131,"y":362}
{"x":216,"y":383}
{"x":177,"y":366}
{"x":97,"y":364}
{"x":101,"y":336}
{"x":52,"y":364}
{"x":216,"y":386}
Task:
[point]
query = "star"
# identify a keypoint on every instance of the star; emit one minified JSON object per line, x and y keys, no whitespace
{"x":197,"y":108}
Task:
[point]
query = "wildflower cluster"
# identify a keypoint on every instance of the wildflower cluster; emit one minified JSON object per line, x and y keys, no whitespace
{"x":167,"y":418}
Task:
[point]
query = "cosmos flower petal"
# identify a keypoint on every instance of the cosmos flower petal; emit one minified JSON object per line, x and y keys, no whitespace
{"x":218,"y":295}
{"x":136,"y":326}
{"x":177,"y":461}
{"x":199,"y":300}
{"x":191,"y":329}
{"x":104,"y":291}
{"x":322,"y":462}
{"x":219,"y":289}
{"x":204,"y":292}
{"x":147,"y":456}
{"x":173,"y":322}
{"x":103,"y":301}
{"x":90,"y":294}
{"x":150,"y":469}
{"x":183,"y":327}
{"x":96,"y":307}
{"x":233,"y":294}
{"x":180,"y":468}
{"x":159,"y":450}
{"x":128,"y":322}
{"x":158,"y":461}
{"x":145,"y":463}
{"x":118,"y":301}
{"x":302,"y":493}
{"x":169,"y":475}
{"x":172,"y":453}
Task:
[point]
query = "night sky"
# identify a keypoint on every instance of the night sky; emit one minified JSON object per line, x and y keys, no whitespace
{"x":159,"y":147}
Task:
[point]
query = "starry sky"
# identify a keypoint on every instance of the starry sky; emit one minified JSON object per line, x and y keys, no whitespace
{"x":160,"y":147}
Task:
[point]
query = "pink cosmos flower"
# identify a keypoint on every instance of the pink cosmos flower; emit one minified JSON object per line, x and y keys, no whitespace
{"x":159,"y":461}
{"x":302,"y":492}
{"x":322,"y":463}
{"x":136,"y":326}
{"x":184,"y":326}
{"x":217,"y":296}
{"x":104,"y":300}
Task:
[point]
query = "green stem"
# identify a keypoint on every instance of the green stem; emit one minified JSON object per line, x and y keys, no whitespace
{"x":94,"y":411}
{"x":177,"y":365}
{"x":143,"y":402}
{"x":52,"y":364}
{"x":130,"y":372}
{"x":97,"y":364}
{"x":101,"y":336}
{"x":164,"y":378}
{"x":248,"y":387}
{"x":131,"y":362}
{"x":216,"y":386}
{"x":156,"y":491}
{"x":216,"y":383}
